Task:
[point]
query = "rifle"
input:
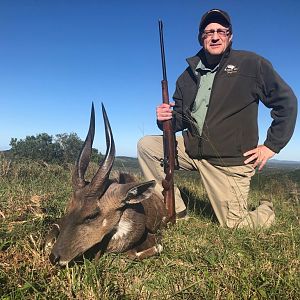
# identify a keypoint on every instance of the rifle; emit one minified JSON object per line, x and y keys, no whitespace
{"x":168,"y":140}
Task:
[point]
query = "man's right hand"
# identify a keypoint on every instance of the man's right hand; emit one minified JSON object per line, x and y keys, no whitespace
{"x":164,"y":111}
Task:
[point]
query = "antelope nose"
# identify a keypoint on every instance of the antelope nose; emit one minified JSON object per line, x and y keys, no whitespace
{"x":54,"y":258}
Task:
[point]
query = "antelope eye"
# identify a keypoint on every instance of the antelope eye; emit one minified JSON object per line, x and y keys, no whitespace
{"x":92,"y":217}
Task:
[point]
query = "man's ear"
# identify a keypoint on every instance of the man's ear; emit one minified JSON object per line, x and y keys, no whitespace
{"x":200,"y":39}
{"x":139,"y":192}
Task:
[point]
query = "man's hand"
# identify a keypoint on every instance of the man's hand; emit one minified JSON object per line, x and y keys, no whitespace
{"x":261,"y":155}
{"x":164,"y":111}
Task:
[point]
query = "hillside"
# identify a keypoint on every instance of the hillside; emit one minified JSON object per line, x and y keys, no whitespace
{"x":273,"y":168}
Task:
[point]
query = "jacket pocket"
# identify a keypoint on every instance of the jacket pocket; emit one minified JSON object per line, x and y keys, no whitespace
{"x":192,"y":144}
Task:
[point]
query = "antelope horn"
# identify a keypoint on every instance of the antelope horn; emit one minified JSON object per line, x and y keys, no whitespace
{"x":100,"y":181}
{"x":85,"y":155}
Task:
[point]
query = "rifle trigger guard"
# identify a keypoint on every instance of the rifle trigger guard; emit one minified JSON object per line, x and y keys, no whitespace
{"x":164,"y":162}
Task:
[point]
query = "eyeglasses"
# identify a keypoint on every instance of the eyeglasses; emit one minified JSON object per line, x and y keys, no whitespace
{"x":220,"y":32}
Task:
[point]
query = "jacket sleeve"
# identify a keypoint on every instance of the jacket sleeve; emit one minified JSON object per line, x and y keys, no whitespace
{"x":181,"y":112}
{"x":275,"y":93}
{"x":177,"y":121}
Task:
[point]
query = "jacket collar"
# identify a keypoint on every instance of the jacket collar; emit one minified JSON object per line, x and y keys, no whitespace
{"x":194,"y":60}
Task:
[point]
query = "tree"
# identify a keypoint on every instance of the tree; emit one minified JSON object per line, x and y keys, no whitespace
{"x":70,"y":144}
{"x":40,"y":147}
{"x":64,"y":148}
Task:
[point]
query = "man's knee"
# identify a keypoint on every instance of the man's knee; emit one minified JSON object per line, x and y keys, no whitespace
{"x":143,"y":142}
{"x":149,"y":144}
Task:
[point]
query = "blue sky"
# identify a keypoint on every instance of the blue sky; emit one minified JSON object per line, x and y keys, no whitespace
{"x":57,"y":56}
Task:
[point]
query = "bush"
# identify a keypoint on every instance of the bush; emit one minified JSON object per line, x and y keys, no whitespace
{"x":63,"y":148}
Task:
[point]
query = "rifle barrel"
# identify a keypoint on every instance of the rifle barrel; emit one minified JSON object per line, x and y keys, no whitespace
{"x":168,"y":140}
{"x":162,"y":49}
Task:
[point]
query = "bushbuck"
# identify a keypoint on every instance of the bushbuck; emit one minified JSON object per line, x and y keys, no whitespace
{"x":107,"y":215}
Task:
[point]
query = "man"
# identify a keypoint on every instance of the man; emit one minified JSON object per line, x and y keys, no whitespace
{"x":216,"y":104}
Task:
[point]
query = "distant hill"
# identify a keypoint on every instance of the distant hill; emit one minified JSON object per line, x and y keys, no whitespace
{"x":283,"y":164}
{"x":126,"y":164}
{"x":273,"y":168}
{"x":126,"y":161}
{"x":5,"y":153}
{"x":272,"y":164}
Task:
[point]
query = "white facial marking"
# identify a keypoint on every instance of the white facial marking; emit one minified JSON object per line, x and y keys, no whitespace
{"x":104,"y":223}
{"x":124,"y":227}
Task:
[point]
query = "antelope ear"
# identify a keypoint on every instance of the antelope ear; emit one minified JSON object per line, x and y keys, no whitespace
{"x":126,"y":178}
{"x":139,"y":192}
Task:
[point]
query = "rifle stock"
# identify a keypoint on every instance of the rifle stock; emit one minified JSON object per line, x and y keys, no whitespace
{"x":168,"y":141}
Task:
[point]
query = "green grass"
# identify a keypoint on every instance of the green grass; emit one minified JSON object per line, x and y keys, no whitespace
{"x":200,"y":259}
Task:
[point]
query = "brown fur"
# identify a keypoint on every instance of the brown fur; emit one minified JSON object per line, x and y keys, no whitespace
{"x":121,"y":215}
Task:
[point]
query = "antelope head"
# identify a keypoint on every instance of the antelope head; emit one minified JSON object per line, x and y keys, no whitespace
{"x":95,"y":208}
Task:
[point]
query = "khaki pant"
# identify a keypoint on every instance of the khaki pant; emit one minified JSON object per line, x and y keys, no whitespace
{"x":227,"y":187}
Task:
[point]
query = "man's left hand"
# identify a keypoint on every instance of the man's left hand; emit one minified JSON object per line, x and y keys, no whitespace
{"x":260,"y":155}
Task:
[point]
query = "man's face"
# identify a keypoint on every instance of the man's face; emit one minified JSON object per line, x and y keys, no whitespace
{"x":216,"y":38}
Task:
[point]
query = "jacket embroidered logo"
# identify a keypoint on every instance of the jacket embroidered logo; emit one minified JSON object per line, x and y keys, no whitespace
{"x":231,"y":69}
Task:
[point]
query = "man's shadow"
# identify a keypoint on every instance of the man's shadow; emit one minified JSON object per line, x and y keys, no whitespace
{"x":198,"y":205}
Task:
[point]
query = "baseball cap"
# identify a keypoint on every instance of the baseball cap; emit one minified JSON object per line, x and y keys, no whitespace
{"x":215,"y":15}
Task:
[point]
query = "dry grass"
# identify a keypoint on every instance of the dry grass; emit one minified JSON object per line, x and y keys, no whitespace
{"x":200,"y":260}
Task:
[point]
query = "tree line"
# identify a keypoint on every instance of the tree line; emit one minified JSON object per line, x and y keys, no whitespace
{"x":58,"y":149}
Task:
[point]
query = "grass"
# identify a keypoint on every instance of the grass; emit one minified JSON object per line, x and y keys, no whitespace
{"x":200,"y":259}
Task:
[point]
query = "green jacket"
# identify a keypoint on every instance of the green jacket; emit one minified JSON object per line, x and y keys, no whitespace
{"x":230,"y":128}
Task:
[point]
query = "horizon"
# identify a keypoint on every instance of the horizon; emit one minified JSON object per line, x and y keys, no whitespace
{"x":134,"y":157}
